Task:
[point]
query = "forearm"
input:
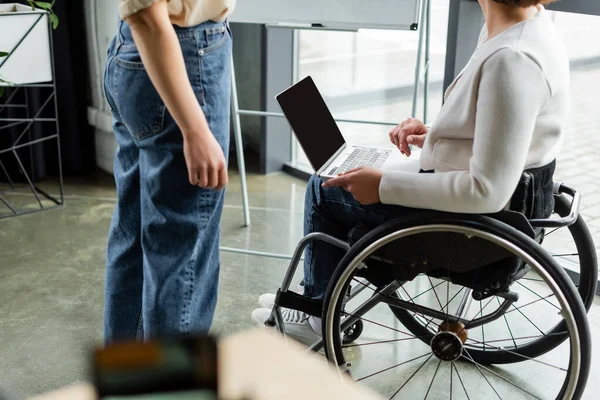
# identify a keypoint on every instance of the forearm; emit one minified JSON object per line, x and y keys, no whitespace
{"x":161,"y":54}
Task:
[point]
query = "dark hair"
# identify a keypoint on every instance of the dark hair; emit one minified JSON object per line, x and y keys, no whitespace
{"x":524,"y":3}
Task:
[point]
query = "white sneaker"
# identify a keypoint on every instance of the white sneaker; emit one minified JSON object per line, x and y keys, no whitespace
{"x":267,"y":300}
{"x":298,"y":325}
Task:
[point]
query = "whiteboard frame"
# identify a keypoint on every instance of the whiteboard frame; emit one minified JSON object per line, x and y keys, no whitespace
{"x":334,"y":25}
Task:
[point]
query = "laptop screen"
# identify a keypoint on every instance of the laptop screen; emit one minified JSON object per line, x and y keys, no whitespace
{"x":311,"y":121}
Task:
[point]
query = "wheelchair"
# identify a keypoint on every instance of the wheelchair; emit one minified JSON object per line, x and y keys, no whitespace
{"x":438,"y":305}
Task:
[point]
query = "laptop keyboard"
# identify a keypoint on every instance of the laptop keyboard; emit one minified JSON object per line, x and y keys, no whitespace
{"x":362,"y":157}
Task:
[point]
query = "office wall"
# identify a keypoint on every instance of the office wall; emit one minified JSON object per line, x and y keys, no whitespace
{"x":101,"y":24}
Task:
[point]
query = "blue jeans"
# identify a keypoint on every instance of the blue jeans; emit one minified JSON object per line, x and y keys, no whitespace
{"x":162,"y":264}
{"x":335,"y":212}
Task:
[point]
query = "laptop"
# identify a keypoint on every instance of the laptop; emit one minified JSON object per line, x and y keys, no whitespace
{"x":320,"y":136}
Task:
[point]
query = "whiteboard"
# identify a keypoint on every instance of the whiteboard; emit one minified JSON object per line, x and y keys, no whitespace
{"x":330,"y":14}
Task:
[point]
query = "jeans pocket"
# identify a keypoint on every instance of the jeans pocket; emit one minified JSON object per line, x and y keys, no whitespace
{"x":214,"y":38}
{"x":139,"y":104}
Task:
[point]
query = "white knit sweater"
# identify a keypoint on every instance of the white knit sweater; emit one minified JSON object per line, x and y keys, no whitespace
{"x":504,"y":113}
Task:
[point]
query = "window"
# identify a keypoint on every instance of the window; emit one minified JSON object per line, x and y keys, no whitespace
{"x":369,"y":75}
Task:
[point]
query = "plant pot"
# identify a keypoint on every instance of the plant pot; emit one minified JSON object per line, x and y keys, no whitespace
{"x":25,"y":33}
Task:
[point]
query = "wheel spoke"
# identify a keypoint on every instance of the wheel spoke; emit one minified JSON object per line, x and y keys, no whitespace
{"x":541,"y":298}
{"x":480,"y":367}
{"x":507,"y":325}
{"x":451,"y":376}
{"x":520,"y":355}
{"x":414,"y":373}
{"x":532,"y":279}
{"x":528,"y":304}
{"x":566,"y":255}
{"x":433,"y":379}
{"x":461,"y":381}
{"x":384,"y":326}
{"x":483,"y":308}
{"x":530,"y":321}
{"x":421,"y":314}
{"x":384,"y":295}
{"x":551,"y":232}
{"x":482,"y":326}
{"x":427,"y":291}
{"x":482,"y":374}
{"x":380,"y":342}
{"x":438,"y":298}
{"x":396,"y":366}
{"x":523,"y":337}
{"x":430,"y":320}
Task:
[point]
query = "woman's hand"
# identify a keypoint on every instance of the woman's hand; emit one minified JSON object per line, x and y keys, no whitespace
{"x":412,"y":131}
{"x":362,"y":182}
{"x":205,"y":161}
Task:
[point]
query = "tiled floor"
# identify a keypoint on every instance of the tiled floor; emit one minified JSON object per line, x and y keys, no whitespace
{"x":52,"y":269}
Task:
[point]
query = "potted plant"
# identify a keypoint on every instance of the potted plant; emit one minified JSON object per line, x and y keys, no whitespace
{"x":25,"y":53}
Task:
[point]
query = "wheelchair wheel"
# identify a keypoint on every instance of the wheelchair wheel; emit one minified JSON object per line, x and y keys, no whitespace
{"x":395,"y":360}
{"x":572,"y":248}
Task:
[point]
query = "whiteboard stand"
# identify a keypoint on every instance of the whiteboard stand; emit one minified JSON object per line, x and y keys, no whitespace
{"x":239,"y":145}
{"x":423,"y":53}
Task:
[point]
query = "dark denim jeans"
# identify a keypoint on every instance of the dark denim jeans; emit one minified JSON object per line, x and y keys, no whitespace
{"x":335,"y":212}
{"x":162,"y":265}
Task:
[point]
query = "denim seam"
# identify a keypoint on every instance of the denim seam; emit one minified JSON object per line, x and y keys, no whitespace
{"x":115,"y":97}
{"x":140,"y":327}
{"x":310,"y":260}
{"x":350,"y":205}
{"x":187,"y":297}
{"x":216,"y":46}
{"x":200,"y":76}
{"x":129,"y":64}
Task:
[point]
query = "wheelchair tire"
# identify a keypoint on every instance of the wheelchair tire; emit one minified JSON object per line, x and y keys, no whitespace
{"x":588,"y":280}
{"x":580,"y":355}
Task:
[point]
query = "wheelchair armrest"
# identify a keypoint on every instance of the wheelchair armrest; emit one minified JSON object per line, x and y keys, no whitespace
{"x":570,"y":218}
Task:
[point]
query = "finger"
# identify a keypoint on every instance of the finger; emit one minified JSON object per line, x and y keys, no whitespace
{"x":202,"y":178}
{"x":192,"y":175}
{"x":393,"y":135}
{"x":337,"y":182}
{"x":223,"y":178}
{"x":408,"y":131}
{"x":353,"y":170}
{"x":213,"y":178}
{"x":417,"y":140}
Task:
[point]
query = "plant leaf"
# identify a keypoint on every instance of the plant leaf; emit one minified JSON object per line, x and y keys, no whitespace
{"x":3,"y":54}
{"x":43,"y":5}
{"x":54,"y":21}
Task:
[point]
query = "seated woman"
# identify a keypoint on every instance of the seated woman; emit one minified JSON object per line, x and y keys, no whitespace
{"x":504,"y":113}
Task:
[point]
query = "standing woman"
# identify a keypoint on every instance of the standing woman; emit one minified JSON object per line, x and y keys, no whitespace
{"x":168,"y":82}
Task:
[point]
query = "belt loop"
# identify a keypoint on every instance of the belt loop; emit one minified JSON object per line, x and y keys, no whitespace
{"x":120,"y":37}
